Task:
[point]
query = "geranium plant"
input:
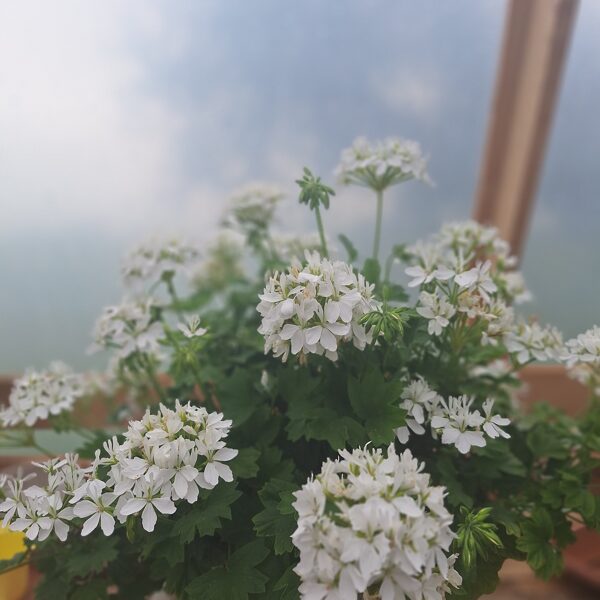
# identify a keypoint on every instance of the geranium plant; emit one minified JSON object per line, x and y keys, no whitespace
{"x":300,"y":426}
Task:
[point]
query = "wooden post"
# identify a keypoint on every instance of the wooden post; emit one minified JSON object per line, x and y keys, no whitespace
{"x":536,"y":39}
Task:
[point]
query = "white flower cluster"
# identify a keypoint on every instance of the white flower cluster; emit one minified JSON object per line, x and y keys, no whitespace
{"x":466,"y":276}
{"x":585,"y":348}
{"x":373,"y":522}
{"x":129,"y":328}
{"x":314,"y":307}
{"x":40,"y":510}
{"x":529,"y":341}
{"x":582,"y":356}
{"x":223,"y":262}
{"x":454,"y":420}
{"x":38,"y":395}
{"x":165,"y":458}
{"x":252,"y":207}
{"x":290,"y":247}
{"x":150,"y":262}
{"x":382,"y":164}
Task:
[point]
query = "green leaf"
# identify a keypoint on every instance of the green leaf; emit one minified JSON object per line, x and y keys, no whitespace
{"x":205,"y":516}
{"x":482,"y":578}
{"x":236,"y":580}
{"x":587,"y":504}
{"x":52,"y":587}
{"x":99,"y":551}
{"x":376,"y":402}
{"x":395,"y":292}
{"x":288,"y":585}
{"x":238,"y":396}
{"x":313,"y":192}
{"x":372,"y":270}
{"x":349,"y":246}
{"x":543,"y":556}
{"x":245,"y":464}
{"x":545,"y":444}
{"x":476,"y":537}
{"x":272,"y":465}
{"x":328,"y":426}
{"x":11,"y":563}
{"x":277,"y":520}
{"x":90,"y":590}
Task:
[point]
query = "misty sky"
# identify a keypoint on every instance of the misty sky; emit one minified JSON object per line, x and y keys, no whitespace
{"x":119,"y":120}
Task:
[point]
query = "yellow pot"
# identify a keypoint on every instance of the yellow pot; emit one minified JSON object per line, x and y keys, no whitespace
{"x":13,"y":585}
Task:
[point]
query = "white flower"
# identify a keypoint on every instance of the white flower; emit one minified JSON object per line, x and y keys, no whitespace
{"x":371,"y":520}
{"x":501,"y":320}
{"x":252,"y":207}
{"x":129,"y":328}
{"x":430,"y":266}
{"x":215,"y":468}
{"x":418,"y":400}
{"x":459,"y":425}
{"x":191,"y":328}
{"x":165,"y":458}
{"x":58,"y":513}
{"x":478,"y":279}
{"x":314,"y":307}
{"x":291,"y":248}
{"x":41,"y":394}
{"x":382,"y":164}
{"x":528,"y":341}
{"x":98,"y":508}
{"x":152,"y":499}
{"x":515,"y":288}
{"x":437,"y":309}
{"x":223,"y":263}
{"x":582,"y":357}
{"x":472,"y":239}
{"x":493,"y":423}
{"x":585,"y":348}
{"x":35,"y":523}
{"x":470,"y":266}
{"x":157,"y":259}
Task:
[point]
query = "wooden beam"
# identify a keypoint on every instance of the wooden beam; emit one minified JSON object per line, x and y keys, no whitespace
{"x":536,"y":39}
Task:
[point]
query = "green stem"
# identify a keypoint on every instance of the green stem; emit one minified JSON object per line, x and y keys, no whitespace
{"x":147,"y":367}
{"x":378,"y":219}
{"x":174,"y":297}
{"x":321,"y":231}
{"x":388,"y":268}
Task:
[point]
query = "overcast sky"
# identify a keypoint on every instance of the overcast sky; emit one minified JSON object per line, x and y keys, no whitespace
{"x":118,"y":120}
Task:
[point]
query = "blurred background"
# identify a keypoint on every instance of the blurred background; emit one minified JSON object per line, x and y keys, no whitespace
{"x":120,"y":120}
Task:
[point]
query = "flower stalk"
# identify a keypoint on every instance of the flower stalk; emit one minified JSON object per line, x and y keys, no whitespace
{"x":378,"y":220}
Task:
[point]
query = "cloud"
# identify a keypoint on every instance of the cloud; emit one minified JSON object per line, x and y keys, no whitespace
{"x":415,"y":93}
{"x":83,"y":142}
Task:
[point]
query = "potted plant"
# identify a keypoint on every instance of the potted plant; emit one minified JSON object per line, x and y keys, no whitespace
{"x":300,"y":426}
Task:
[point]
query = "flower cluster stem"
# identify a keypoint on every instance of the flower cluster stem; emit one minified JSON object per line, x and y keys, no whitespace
{"x":149,"y":369}
{"x":321,"y":232}
{"x":378,"y":219}
{"x":174,"y":298}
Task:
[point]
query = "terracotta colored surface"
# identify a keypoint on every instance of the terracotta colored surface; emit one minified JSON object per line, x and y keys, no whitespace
{"x":517,"y":582}
{"x":550,"y":383}
{"x":582,"y":559}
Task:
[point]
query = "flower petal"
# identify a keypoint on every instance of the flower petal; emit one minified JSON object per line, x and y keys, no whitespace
{"x":149,"y":518}
{"x":90,"y":524}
